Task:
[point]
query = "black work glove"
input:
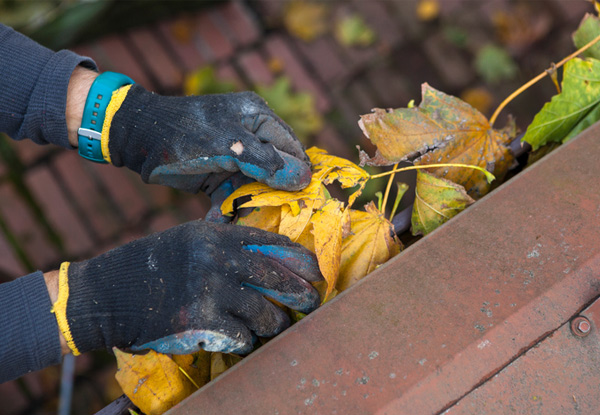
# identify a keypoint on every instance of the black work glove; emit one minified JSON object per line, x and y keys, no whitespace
{"x":197,"y":285}
{"x":182,"y":142}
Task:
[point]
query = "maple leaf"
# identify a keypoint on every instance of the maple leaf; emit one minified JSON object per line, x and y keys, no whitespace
{"x":293,"y":226}
{"x":327,"y":232}
{"x":436,"y":201}
{"x":266,"y":218}
{"x":153,"y":381}
{"x":588,"y":29}
{"x":442,"y":129}
{"x":571,"y":111}
{"x":326,"y":169}
{"x":372,"y":242}
{"x":335,"y":168}
{"x":263,"y":195}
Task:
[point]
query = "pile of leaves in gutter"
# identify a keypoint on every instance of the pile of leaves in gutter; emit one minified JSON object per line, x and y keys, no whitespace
{"x":457,"y":154}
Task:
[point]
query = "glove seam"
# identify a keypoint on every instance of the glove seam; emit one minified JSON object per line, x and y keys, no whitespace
{"x":59,"y":308}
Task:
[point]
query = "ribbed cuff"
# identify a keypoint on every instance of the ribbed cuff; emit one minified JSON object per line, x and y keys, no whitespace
{"x":49,"y":98}
{"x":29,"y":335}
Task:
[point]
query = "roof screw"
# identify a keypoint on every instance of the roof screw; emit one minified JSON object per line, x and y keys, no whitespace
{"x":581,"y":326}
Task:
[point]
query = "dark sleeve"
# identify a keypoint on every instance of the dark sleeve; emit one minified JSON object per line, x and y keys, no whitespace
{"x":33,"y":88}
{"x":29,"y":336}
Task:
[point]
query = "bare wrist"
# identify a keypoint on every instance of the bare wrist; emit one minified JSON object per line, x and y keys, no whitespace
{"x":79,"y":85}
{"x":51,"y":279}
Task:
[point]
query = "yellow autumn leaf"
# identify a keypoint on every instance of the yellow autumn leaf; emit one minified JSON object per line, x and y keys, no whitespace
{"x":195,"y":366}
{"x":292,"y":225}
{"x":307,"y":20}
{"x":325,"y":169}
{"x":327,"y":232}
{"x":152,"y":381}
{"x":436,"y":201}
{"x":372,"y":242}
{"x":335,"y":168}
{"x":266,"y":218}
{"x":263,"y":195}
{"x":220,"y":362}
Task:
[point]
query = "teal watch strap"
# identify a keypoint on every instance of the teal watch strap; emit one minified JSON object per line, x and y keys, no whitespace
{"x":94,"y":112}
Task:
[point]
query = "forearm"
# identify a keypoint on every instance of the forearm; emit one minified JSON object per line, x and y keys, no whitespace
{"x":79,"y":85}
{"x":29,"y":334}
{"x":34,"y":84}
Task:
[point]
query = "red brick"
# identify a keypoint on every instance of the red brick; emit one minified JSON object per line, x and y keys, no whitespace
{"x":121,"y":60}
{"x":271,"y":11}
{"x":572,"y":10}
{"x":60,"y":214}
{"x":118,"y":182}
{"x":27,"y":231}
{"x":406,"y":15}
{"x":278,"y":48}
{"x":389,"y":86}
{"x":454,"y":70}
{"x":343,"y":104}
{"x":227,"y":73}
{"x":240,"y":22}
{"x":100,"y":215}
{"x":380,"y":20}
{"x":185,"y":49}
{"x":256,"y":68}
{"x":13,"y":399}
{"x":324,"y":56}
{"x":220,"y":46}
{"x":329,"y":139}
{"x":167,"y":74}
{"x":30,"y":152}
{"x":163,"y":222}
{"x":9,"y":264}
{"x":195,"y":207}
{"x":362,"y":97}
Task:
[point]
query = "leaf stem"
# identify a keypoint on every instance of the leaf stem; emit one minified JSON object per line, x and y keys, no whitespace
{"x":540,"y":76}
{"x":188,"y":376}
{"x":388,"y":187}
{"x":489,"y":176}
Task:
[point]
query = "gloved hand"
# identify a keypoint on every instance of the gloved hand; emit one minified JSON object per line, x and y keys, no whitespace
{"x":182,"y":142}
{"x":197,"y":285}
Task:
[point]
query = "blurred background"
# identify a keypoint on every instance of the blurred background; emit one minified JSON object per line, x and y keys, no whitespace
{"x":319,"y":64}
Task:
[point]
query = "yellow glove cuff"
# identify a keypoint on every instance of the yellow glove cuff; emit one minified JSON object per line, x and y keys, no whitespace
{"x":115,"y":103}
{"x":59,"y":308}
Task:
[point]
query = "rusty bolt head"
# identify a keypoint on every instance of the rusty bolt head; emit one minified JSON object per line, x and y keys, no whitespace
{"x":581,"y":326}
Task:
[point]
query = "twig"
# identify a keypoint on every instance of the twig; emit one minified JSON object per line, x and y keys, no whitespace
{"x":537,"y":78}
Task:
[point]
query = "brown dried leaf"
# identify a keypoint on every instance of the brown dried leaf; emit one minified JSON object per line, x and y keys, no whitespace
{"x":442,"y":129}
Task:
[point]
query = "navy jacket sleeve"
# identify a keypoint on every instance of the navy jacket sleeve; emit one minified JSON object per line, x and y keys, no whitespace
{"x":33,"y":98}
{"x":33,"y":88}
{"x":28,"y":330}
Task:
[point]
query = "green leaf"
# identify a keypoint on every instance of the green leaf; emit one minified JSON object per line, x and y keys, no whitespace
{"x":494,"y":64}
{"x":559,"y":117}
{"x":295,"y":108}
{"x":588,"y":30}
{"x":436,"y":201}
{"x":205,"y":81}
{"x":353,"y":31}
